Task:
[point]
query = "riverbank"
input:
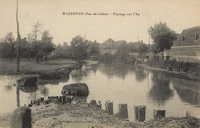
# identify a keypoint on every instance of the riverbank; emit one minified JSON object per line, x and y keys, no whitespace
{"x":31,"y":67}
{"x":182,"y":70}
{"x":86,"y":115}
{"x":183,"y":75}
{"x":78,"y":115}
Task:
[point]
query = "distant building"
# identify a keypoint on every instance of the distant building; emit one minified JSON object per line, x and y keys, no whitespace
{"x":166,"y":54}
{"x":111,"y":46}
{"x":187,"y":46}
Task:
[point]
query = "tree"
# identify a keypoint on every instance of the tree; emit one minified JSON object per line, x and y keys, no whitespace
{"x":35,"y":33}
{"x":79,"y":47}
{"x":18,"y":38}
{"x":46,"y":45}
{"x":162,"y":36}
{"x":4,"y":49}
{"x":141,"y":47}
{"x":30,"y":45}
{"x":94,"y":47}
{"x":10,"y":39}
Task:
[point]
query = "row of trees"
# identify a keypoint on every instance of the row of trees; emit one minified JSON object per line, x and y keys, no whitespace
{"x":78,"y":48}
{"x":30,"y":47}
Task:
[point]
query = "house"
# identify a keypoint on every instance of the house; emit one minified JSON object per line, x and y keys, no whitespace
{"x":187,"y":46}
{"x":111,"y":46}
{"x":166,"y":54}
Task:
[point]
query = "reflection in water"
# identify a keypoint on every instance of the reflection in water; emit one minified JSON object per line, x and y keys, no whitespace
{"x":8,"y":88}
{"x":32,"y":89}
{"x":53,"y":81}
{"x":28,"y":89}
{"x":33,"y":96}
{"x":78,"y":75}
{"x":44,"y":90}
{"x":119,"y":70}
{"x":128,"y":84}
{"x":160,"y":91}
{"x":18,"y":99}
{"x":187,"y":90}
{"x":140,"y":74}
{"x":26,"y":85}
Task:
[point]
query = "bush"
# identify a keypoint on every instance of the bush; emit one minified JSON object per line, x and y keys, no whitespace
{"x":174,"y":65}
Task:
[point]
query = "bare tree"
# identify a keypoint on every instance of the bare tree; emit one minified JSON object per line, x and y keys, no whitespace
{"x":35,"y":33}
{"x":30,"y":45}
{"x":18,"y":38}
{"x":10,"y":39}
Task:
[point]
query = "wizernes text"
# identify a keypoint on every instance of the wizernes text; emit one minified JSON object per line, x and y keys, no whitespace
{"x":100,"y":14}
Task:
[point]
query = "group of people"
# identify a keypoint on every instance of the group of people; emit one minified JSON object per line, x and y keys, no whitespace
{"x":68,"y":97}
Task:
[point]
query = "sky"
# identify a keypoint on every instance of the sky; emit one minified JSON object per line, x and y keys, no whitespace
{"x":114,"y":23}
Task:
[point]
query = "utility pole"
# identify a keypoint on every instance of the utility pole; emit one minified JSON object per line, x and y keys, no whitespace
{"x":18,"y":39}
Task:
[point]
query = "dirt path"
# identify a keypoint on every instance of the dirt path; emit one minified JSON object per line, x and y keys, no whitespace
{"x":84,"y":115}
{"x":75,"y":115}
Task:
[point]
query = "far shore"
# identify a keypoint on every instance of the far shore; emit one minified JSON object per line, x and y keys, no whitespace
{"x":31,"y":67}
{"x":183,"y":75}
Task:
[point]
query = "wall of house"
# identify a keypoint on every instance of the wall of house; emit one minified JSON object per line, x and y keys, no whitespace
{"x":111,"y":51}
{"x":186,"y":53}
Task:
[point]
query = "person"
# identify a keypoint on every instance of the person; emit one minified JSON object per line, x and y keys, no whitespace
{"x":63,"y":92}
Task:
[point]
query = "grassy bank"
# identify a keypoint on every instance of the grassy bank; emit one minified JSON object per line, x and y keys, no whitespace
{"x":184,"y":70}
{"x":31,"y":67}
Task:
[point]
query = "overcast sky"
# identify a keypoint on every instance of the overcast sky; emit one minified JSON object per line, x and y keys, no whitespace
{"x":178,"y":14}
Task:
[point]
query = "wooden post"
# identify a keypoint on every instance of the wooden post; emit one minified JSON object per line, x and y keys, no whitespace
{"x":159,"y":114}
{"x":21,"y":118}
{"x":63,"y":99}
{"x":123,"y":111}
{"x":188,"y":113}
{"x":109,"y":107}
{"x":140,"y":113}
{"x":41,"y":99}
{"x":60,"y":99}
{"x":99,"y":104}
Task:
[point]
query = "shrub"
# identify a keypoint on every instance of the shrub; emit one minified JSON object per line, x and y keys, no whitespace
{"x":193,"y":68}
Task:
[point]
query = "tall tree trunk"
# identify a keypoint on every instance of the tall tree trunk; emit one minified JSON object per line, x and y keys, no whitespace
{"x":18,"y":39}
{"x":29,"y":55}
{"x":37,"y":54}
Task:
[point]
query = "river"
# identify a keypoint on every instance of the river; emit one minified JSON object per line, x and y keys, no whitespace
{"x":122,"y":84}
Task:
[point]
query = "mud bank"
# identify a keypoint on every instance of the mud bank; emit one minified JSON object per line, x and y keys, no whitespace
{"x":76,"y":114}
{"x":87,"y":115}
{"x":77,"y":89}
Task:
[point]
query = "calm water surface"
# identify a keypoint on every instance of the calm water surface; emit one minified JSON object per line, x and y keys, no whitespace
{"x":122,"y":84}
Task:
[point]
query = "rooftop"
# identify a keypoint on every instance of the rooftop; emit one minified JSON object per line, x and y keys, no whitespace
{"x":188,"y":36}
